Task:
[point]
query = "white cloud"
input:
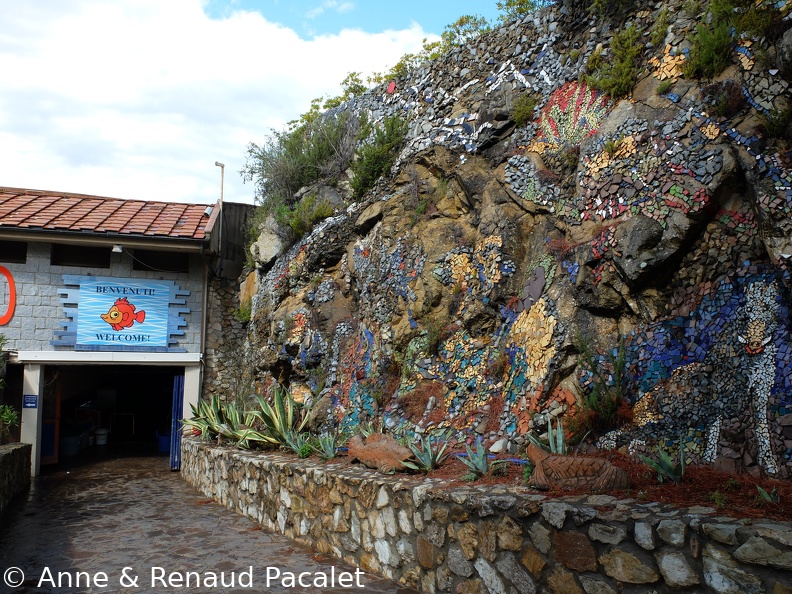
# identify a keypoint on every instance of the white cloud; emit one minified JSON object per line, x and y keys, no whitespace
{"x":139,"y":98}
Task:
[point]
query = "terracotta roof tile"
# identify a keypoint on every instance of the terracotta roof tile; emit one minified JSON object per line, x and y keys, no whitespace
{"x":59,"y":211}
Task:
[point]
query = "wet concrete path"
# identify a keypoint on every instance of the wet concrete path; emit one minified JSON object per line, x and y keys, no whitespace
{"x":134,"y":513}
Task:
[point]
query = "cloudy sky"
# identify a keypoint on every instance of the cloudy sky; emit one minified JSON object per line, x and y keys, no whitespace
{"x":139,"y":98}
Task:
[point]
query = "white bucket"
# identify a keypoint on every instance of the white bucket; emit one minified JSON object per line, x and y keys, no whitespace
{"x":101,"y":436}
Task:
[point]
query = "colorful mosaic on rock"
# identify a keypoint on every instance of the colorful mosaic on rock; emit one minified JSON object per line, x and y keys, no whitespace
{"x":661,"y":218}
{"x":727,"y":358}
{"x":573,"y":113}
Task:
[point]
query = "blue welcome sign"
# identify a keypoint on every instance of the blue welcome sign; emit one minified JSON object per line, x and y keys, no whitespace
{"x":128,"y":312}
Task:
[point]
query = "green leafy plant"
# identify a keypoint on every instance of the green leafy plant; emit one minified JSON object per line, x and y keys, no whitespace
{"x":556,"y":439}
{"x":243,"y":312}
{"x":718,"y":499}
{"x":517,"y":9}
{"x":375,"y":158}
{"x":499,"y":467}
{"x":281,"y":417}
{"x":526,"y":472}
{"x":732,"y":484}
{"x":665,"y":467}
{"x":299,"y":443}
{"x":206,"y":416}
{"x":758,"y":20}
{"x":664,"y":87}
{"x":8,"y":418}
{"x":304,"y":215}
{"x":710,"y":52}
{"x":660,"y":28}
{"x":369,"y":427}
{"x":523,"y":110}
{"x":214,"y":419}
{"x":604,"y":405}
{"x":476,"y":460}
{"x":327,"y":447}
{"x":691,"y":8}
{"x":462,"y":30}
{"x":320,"y":146}
{"x":595,"y":60}
{"x":612,"y":145}
{"x":352,"y":86}
{"x":433,"y":453}
{"x":771,"y":497}
{"x":778,"y":123}
{"x":618,"y":76}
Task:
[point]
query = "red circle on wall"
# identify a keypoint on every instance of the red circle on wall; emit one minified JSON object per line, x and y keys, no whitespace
{"x":5,"y":318}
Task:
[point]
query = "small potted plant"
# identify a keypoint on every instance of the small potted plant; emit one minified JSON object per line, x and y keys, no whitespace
{"x":8,"y":418}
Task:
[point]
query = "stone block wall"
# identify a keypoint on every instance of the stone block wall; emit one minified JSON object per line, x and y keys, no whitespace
{"x":14,"y":471}
{"x":493,"y":539}
{"x":225,"y":372}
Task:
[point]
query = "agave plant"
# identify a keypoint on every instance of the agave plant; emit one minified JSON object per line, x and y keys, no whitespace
{"x":299,"y":443}
{"x":665,"y":467}
{"x":327,"y":447}
{"x":476,"y":460}
{"x":431,"y":455}
{"x":369,"y":427}
{"x":771,"y":497}
{"x":556,"y":439}
{"x":206,"y":416}
{"x":213,"y":419}
{"x":281,"y":417}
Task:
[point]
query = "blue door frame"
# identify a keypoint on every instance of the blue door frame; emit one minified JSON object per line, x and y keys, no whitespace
{"x":177,"y":414}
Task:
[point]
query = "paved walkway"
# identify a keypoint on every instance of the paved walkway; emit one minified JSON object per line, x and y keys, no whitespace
{"x":134,"y":513}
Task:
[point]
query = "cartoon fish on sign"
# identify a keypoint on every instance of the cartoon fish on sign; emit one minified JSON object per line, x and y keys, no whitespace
{"x":122,"y":315}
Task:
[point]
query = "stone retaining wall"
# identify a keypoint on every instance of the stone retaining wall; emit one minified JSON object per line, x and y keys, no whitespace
{"x":14,"y":471}
{"x":467,"y":540}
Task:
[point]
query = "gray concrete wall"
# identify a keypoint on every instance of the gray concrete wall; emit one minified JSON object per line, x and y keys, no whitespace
{"x":39,"y":312}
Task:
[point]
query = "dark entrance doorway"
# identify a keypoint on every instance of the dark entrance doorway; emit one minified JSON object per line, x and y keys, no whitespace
{"x":91,"y":407}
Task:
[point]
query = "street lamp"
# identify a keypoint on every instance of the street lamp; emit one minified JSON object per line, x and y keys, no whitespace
{"x":222,"y":178}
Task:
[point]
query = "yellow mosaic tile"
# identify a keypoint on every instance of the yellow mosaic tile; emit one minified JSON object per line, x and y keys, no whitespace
{"x":667,"y":67}
{"x":711,"y":131}
{"x":533,"y":331}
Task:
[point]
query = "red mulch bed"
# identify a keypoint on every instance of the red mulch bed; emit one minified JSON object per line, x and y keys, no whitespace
{"x":729,"y":494}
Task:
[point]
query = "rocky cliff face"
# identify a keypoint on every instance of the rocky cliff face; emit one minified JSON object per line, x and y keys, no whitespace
{"x":460,"y":293}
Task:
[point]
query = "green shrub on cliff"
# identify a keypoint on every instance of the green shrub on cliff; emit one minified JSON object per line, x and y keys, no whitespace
{"x":618,"y":75}
{"x":517,"y":9}
{"x":318,"y":148}
{"x":304,"y":215}
{"x":377,"y":156}
{"x":523,"y":111}
{"x":712,"y":42}
{"x":711,"y":51}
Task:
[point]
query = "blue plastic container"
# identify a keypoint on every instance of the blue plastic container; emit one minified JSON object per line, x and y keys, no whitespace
{"x":163,"y":440}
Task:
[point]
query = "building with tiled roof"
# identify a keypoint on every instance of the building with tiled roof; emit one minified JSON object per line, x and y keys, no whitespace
{"x":94,"y":218}
{"x":104,"y":308}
